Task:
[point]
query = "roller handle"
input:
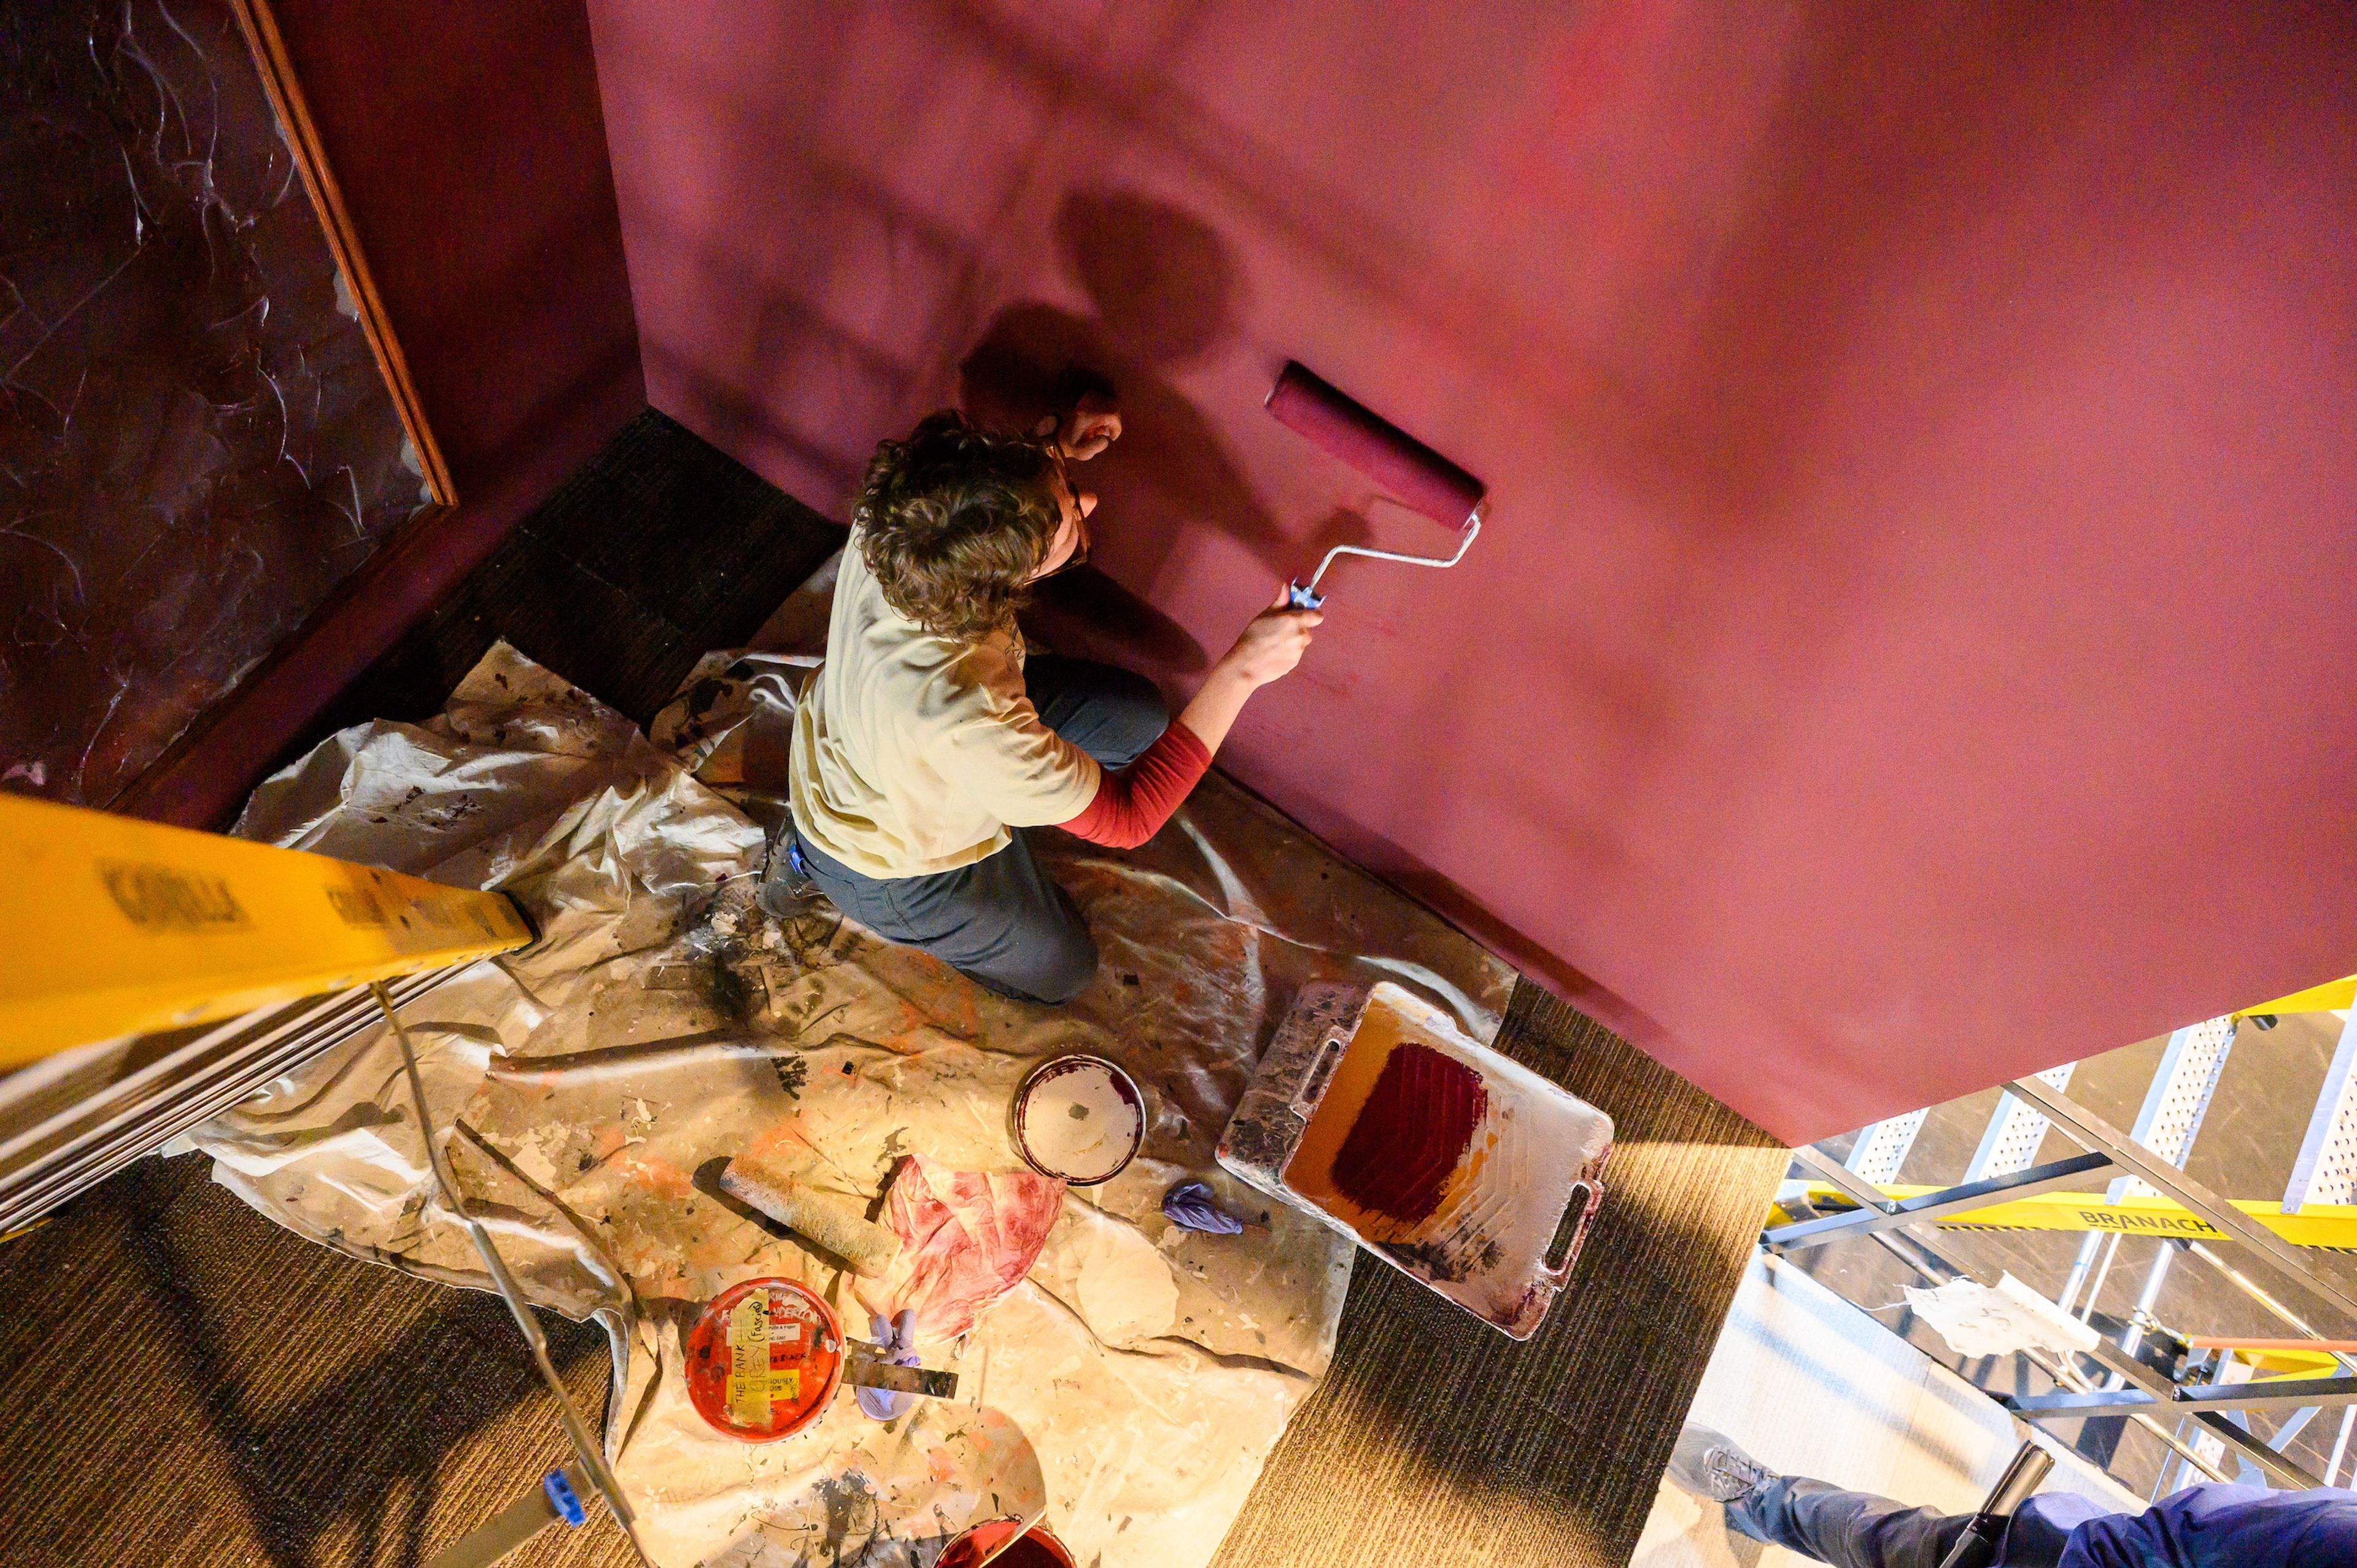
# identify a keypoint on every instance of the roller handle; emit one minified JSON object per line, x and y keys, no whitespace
{"x":1411,"y":474}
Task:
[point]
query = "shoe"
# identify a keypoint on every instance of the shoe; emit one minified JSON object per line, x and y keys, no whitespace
{"x":1709,"y":1465}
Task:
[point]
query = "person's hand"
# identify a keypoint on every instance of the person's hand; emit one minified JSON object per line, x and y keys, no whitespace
{"x":1274,"y":643}
{"x":1268,"y":650}
{"x":1093,"y":424}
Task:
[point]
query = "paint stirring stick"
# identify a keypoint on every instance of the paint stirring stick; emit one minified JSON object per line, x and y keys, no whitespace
{"x":999,"y":1551}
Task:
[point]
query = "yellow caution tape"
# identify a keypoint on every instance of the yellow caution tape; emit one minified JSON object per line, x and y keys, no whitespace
{"x":111,"y":926}
{"x":2332,"y":1226}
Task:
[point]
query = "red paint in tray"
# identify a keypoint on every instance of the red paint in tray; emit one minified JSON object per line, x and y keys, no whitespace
{"x":1411,"y":1134}
{"x":1399,"y":1136}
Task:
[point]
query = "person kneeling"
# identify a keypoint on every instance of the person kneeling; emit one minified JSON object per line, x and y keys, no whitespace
{"x":928,"y":742}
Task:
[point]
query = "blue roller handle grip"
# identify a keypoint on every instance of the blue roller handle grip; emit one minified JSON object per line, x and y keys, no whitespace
{"x":1298,"y":597}
{"x":562,"y":1496}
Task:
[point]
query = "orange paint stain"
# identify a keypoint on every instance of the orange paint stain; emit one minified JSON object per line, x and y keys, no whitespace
{"x":655,"y":1174}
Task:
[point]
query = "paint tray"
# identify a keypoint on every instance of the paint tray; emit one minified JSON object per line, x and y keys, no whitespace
{"x":1460,"y":1168}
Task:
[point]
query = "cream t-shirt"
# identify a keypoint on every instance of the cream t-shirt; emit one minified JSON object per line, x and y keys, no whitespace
{"x":913,"y":754}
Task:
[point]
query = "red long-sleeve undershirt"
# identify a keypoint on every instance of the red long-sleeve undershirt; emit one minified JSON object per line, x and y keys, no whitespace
{"x":1131,"y":806}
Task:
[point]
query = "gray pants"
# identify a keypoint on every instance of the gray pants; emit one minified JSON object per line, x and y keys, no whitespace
{"x":1858,"y":1529}
{"x":1002,"y":922}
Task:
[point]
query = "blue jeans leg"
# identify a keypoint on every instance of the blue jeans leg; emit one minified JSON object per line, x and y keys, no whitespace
{"x":1002,"y":922}
{"x":1858,"y":1529}
{"x":1111,"y":713}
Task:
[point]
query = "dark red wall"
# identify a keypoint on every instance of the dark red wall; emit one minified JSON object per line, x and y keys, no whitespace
{"x":1914,"y":641}
{"x":469,"y":144}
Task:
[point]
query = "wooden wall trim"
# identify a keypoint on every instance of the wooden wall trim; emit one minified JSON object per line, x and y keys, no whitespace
{"x":277,"y":69}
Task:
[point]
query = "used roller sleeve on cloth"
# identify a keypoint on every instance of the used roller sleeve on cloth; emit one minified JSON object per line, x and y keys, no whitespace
{"x":835,"y":1223}
{"x":591,"y":1088}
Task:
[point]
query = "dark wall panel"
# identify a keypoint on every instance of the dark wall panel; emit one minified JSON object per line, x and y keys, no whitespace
{"x":196,"y":444}
{"x":470,"y":148}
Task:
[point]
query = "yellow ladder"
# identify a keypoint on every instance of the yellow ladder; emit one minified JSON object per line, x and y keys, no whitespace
{"x":111,"y":926}
{"x":2329,"y":1227}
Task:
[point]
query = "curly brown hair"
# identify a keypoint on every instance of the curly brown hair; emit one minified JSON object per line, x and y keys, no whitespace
{"x":954,"y":521}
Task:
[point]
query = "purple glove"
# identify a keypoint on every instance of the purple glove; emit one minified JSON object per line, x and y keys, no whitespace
{"x":898,"y":1340}
{"x":1194,"y":1204}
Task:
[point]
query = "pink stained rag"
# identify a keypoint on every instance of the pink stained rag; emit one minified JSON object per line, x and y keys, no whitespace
{"x":966,"y":1239}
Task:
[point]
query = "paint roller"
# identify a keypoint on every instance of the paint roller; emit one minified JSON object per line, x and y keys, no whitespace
{"x":835,"y":1223}
{"x":1409,"y":473}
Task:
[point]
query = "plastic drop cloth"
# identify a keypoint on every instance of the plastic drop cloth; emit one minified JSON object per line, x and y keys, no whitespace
{"x":591,"y":1086}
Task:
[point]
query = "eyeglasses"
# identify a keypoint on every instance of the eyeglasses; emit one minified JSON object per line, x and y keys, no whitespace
{"x":1079,"y":554}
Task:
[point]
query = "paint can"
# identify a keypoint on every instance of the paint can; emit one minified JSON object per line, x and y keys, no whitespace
{"x":1079,"y":1118}
{"x":763,"y":1360}
{"x":1038,"y":1549}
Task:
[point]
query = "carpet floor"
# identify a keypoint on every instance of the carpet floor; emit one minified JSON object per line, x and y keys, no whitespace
{"x":655,"y":552}
{"x":185,"y":1385}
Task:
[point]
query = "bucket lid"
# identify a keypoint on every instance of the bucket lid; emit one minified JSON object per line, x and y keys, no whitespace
{"x":763,"y":1359}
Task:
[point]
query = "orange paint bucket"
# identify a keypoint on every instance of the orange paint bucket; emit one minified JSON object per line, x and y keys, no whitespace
{"x":763,"y":1360}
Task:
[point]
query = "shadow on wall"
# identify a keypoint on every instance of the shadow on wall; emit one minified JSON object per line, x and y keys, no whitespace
{"x":1166,"y":293}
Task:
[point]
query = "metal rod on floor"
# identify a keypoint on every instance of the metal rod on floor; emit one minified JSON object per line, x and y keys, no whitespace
{"x":1862,"y":1192}
{"x":591,"y":1453}
{"x":1931,"y":1206}
{"x":2290,"y":1394}
{"x":2208,"y":1415}
{"x":2085,"y":1260}
{"x":2253,"y":1289}
{"x":2133,"y":1336}
{"x":2103,"y":1273}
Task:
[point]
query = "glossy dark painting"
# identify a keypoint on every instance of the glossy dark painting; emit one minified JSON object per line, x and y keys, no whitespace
{"x":196,"y":442}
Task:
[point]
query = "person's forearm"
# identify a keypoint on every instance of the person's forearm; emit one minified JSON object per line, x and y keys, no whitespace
{"x":1214,"y":709}
{"x":1131,"y":806}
